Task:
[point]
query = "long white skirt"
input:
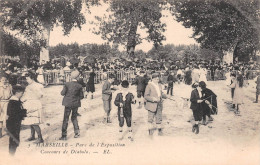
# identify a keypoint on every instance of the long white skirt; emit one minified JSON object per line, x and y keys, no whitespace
{"x":40,"y":79}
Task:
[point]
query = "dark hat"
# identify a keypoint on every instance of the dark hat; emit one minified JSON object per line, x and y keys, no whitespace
{"x":202,"y":84}
{"x":125,"y":84}
{"x":155,"y":75}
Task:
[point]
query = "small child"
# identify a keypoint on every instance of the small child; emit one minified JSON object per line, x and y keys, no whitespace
{"x":123,"y":101}
{"x":16,"y":114}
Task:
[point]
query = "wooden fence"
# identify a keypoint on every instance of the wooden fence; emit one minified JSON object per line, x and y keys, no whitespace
{"x":55,"y":77}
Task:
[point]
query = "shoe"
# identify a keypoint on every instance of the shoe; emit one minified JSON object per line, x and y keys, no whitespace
{"x":255,"y":102}
{"x":197,"y":129}
{"x":40,"y":140}
{"x":211,"y":118}
{"x":160,"y":133}
{"x":31,"y":139}
{"x":204,"y":122}
{"x":78,"y":114}
{"x":108,"y":120}
{"x":193,"y":128}
{"x":76,"y":135}
{"x":63,"y":138}
{"x":104,"y":120}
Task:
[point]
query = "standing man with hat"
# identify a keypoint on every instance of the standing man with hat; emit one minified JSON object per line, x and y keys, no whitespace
{"x":154,"y":103}
{"x":73,"y":93}
{"x":107,"y":97}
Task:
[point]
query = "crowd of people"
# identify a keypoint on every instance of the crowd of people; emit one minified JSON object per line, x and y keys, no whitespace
{"x":21,"y":103}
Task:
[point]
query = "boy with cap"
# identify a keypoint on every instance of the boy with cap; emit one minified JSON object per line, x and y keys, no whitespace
{"x":123,"y":101}
{"x":154,"y":103}
{"x":107,"y":97}
{"x":16,"y":114}
{"x":73,"y":93}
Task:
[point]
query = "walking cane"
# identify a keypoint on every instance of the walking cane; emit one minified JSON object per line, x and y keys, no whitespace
{"x":12,"y":136}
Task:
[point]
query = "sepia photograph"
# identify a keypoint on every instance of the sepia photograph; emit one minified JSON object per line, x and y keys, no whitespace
{"x":130,"y":82}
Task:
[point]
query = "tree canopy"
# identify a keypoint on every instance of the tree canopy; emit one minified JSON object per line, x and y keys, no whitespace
{"x":221,"y":25}
{"x":125,"y":16}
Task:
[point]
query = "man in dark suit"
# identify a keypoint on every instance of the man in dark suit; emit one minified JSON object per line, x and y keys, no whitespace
{"x":107,"y":97}
{"x":196,"y":106}
{"x":141,"y":83}
{"x":171,"y":79}
{"x":73,"y":93}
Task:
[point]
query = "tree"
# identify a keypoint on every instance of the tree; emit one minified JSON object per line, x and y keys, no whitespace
{"x":13,"y":46}
{"x":221,"y":25}
{"x":35,"y":19}
{"x":126,"y":16}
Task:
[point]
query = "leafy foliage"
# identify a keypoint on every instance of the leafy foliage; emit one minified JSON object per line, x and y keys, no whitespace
{"x":15,"y":47}
{"x":126,"y":16}
{"x":221,"y":25}
{"x":30,"y":17}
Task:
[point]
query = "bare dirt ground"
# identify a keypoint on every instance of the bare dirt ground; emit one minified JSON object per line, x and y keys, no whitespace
{"x":229,"y":139}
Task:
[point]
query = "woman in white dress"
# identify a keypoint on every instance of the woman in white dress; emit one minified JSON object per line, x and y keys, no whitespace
{"x":203,"y":74}
{"x":32,"y":103}
{"x":195,"y":74}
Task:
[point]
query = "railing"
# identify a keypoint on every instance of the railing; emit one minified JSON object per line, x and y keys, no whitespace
{"x":56,"y":77}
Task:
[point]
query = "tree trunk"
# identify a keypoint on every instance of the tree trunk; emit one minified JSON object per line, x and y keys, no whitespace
{"x":44,"y":53}
{"x":131,"y":43}
{"x":228,"y":56}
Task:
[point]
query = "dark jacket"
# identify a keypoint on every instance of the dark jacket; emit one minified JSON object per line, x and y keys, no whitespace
{"x":141,"y":83}
{"x":171,"y":79}
{"x":194,"y":98}
{"x":127,"y":109}
{"x":15,"y":111}
{"x":91,"y":84}
{"x":73,"y":93}
{"x":209,"y":95}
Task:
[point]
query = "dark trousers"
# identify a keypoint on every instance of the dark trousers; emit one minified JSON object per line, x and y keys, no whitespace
{"x":197,"y":113}
{"x":126,"y":118}
{"x":205,"y":112}
{"x":170,"y":89}
{"x":73,"y":119}
{"x":13,"y":128}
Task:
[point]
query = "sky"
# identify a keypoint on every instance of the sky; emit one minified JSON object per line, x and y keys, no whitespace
{"x":175,"y":33}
